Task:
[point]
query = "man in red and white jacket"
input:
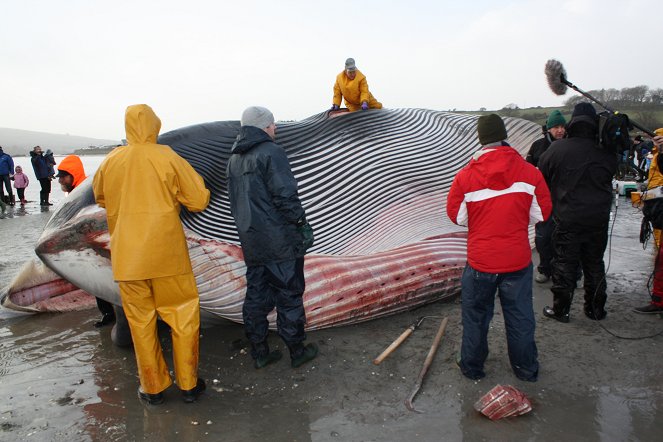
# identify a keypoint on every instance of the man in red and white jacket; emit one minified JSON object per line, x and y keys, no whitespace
{"x":498,"y":195}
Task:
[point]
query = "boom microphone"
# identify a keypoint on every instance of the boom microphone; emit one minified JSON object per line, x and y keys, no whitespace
{"x":556,"y":76}
{"x":557,"y":81}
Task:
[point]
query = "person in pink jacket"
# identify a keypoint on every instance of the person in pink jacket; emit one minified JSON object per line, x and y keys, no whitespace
{"x":21,"y":181}
{"x":498,"y":195}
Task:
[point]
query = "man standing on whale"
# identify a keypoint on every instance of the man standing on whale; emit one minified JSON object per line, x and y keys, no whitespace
{"x":274,"y":234}
{"x":142,"y":186}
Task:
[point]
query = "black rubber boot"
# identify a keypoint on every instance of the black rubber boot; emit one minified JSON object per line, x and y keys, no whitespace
{"x":269,"y":358}
{"x":190,"y":396}
{"x":550,"y":313}
{"x":305,"y":354}
{"x":152,"y":399}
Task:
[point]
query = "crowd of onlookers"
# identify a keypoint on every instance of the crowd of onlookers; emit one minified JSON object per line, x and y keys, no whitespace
{"x":43,"y":165}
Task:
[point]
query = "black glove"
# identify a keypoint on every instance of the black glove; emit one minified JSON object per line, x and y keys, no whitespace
{"x":307,"y":235}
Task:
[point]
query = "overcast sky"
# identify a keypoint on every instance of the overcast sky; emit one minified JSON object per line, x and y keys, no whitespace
{"x":73,"y":66}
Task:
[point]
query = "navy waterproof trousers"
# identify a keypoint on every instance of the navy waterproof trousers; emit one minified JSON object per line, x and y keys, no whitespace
{"x":279,"y":285}
{"x":478,"y":302}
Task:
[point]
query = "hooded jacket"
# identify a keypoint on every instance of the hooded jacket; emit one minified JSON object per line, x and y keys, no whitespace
{"x":263,"y":199}
{"x":655,"y":176}
{"x":579,"y":174}
{"x":6,"y":163}
{"x":73,"y":165}
{"x":142,"y":186}
{"x":39,"y":165}
{"x":498,"y":195}
{"x":354,"y":91}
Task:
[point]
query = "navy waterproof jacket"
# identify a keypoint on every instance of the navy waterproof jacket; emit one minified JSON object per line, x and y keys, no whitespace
{"x":6,"y":164}
{"x":263,"y":199}
{"x":39,"y":165}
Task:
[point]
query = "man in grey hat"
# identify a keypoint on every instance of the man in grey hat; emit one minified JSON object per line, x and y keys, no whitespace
{"x":274,"y":235}
{"x":351,"y":85}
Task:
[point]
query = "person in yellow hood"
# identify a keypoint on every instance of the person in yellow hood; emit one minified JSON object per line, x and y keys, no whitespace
{"x":142,"y":186}
{"x":70,"y":174}
{"x":655,"y":306}
{"x":351,"y":85}
{"x":655,"y":177}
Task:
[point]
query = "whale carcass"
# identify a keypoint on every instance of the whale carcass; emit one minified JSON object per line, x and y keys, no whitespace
{"x":374,"y":187}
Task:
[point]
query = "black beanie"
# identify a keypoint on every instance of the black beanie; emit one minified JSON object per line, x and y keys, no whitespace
{"x":491,"y":129}
{"x":584,"y":108}
{"x":584,"y":112}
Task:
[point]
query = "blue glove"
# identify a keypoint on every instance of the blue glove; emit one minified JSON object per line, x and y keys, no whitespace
{"x":334,"y":107}
{"x":364,"y":106}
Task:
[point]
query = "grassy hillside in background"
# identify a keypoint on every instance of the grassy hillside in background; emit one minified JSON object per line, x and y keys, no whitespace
{"x":650,"y":117}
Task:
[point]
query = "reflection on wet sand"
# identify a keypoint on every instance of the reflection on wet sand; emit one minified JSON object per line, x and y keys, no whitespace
{"x":62,"y":379}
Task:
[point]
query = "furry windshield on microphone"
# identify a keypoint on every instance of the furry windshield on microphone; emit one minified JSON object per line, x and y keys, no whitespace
{"x":556,"y":76}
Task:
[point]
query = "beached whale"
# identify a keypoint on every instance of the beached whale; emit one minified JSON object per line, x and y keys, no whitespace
{"x":374,"y":187}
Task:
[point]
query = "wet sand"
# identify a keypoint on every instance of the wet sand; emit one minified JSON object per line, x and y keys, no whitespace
{"x":62,"y":379}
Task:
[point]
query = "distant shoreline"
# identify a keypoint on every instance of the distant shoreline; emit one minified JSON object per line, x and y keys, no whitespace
{"x":79,"y":152}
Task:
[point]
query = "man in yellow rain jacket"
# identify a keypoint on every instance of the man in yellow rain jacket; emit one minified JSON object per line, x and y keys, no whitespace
{"x":142,"y":186}
{"x":351,"y":85}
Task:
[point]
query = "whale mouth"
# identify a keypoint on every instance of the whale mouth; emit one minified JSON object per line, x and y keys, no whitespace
{"x":36,"y":289}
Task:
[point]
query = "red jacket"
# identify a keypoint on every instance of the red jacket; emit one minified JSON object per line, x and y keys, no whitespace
{"x":497,"y":195}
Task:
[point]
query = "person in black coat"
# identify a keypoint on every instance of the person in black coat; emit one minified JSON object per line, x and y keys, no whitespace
{"x":555,"y":129}
{"x":579,"y":174}
{"x":274,"y":235}
{"x":42,"y":172}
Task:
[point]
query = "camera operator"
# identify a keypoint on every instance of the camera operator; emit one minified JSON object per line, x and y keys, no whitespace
{"x":655,"y":180}
{"x":579,"y":174}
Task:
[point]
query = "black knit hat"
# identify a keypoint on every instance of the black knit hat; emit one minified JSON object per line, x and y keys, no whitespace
{"x":584,"y":108}
{"x":491,"y":129}
{"x":584,"y":112}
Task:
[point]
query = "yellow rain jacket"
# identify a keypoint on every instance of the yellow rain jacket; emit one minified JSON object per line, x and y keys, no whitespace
{"x":655,"y":177}
{"x":142,"y":186}
{"x":354,"y":91}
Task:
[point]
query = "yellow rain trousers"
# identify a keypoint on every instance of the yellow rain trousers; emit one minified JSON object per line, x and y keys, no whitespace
{"x":175,"y":300}
{"x":142,"y":186}
{"x":354,"y":92}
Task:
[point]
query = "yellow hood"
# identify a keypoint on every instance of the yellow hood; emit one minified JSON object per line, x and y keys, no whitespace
{"x":141,"y":124}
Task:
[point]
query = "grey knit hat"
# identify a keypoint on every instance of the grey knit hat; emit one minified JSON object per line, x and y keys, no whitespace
{"x":257,"y":116}
{"x":491,"y":129}
{"x":350,"y":65}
